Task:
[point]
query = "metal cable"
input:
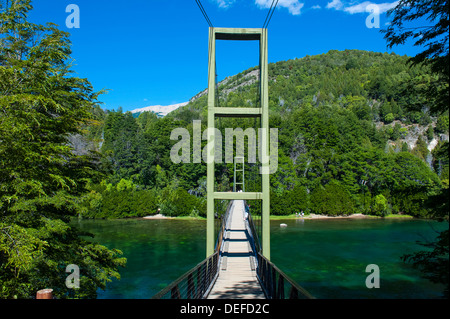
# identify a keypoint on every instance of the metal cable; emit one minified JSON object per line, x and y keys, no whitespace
{"x":205,"y":15}
{"x":270,"y":14}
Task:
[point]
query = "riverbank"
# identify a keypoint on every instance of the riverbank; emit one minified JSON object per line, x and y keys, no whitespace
{"x":161,"y":216}
{"x":157,"y":216}
{"x":354,"y":216}
{"x":293,"y":216}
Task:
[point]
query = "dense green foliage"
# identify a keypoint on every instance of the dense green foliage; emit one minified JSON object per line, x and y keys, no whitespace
{"x":431,"y":34}
{"x":343,"y":120}
{"x":41,"y":178}
{"x":354,"y":128}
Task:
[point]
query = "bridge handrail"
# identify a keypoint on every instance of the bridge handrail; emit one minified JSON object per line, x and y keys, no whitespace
{"x":195,"y":283}
{"x":223,"y":225}
{"x":196,"y":286}
{"x":273,"y":281}
{"x":255,"y":238}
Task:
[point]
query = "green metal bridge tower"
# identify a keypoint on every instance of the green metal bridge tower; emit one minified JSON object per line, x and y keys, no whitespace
{"x":262,"y":111}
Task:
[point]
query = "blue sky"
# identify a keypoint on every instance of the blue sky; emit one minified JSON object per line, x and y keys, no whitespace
{"x":155,"y":52}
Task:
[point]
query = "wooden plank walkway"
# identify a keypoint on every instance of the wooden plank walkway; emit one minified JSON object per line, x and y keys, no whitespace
{"x":237,"y":275}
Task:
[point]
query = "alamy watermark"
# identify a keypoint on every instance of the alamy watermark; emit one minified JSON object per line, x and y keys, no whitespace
{"x":73,"y":280}
{"x":373,"y":280}
{"x":259,"y":142}
{"x":373,"y":19}
{"x":73,"y":19}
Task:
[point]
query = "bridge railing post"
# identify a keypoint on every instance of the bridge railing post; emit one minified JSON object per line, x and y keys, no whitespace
{"x":191,"y":287}
{"x":175,"y":293}
{"x":274,"y":282}
{"x":280,"y":289}
{"x":200,"y":282}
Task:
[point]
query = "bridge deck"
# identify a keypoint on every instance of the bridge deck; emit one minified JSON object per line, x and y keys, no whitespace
{"x":237,"y":276}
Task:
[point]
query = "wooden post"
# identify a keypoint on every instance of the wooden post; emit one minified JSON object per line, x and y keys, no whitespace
{"x":44,"y":294}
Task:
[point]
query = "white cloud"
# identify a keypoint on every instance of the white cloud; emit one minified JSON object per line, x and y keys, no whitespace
{"x":360,"y":7}
{"x":336,"y":4}
{"x":294,"y":6}
{"x":316,"y":7}
{"x":357,"y":8}
{"x":384,"y":7}
{"x":224,"y":3}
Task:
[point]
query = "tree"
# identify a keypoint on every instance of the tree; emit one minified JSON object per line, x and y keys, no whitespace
{"x":442,"y":124}
{"x":433,"y":34}
{"x":41,"y":177}
{"x":380,"y":205}
{"x":333,"y":199}
{"x":389,"y":118}
{"x":434,"y":261}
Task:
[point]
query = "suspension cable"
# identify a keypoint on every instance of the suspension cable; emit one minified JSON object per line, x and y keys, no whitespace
{"x":205,"y":15}
{"x":270,"y":14}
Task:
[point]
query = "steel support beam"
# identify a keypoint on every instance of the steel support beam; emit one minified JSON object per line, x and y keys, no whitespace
{"x":264,"y":74}
{"x":262,"y":112}
{"x":210,"y":240}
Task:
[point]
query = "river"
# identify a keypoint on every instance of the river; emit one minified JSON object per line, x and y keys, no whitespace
{"x":326,"y":257}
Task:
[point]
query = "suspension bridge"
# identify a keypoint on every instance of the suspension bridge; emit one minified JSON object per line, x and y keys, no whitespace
{"x":237,"y":264}
{"x":237,"y":269}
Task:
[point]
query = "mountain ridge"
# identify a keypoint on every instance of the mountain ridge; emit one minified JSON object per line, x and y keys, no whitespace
{"x":160,"y":110}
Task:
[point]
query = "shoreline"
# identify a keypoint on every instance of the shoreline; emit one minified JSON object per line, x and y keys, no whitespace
{"x":281,"y":217}
{"x":157,"y":216}
{"x":352,"y":216}
{"x":161,"y":216}
{"x":317,"y":216}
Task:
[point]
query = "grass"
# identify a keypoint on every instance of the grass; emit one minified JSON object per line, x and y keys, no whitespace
{"x":398,"y":216}
{"x":190,"y":217}
{"x":278,"y":217}
{"x":293,"y":216}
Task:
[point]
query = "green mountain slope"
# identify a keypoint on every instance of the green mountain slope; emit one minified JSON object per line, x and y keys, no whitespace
{"x":348,"y":140}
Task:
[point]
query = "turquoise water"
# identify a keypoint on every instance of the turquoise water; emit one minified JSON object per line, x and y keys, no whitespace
{"x":327,"y":257}
{"x":157,"y":252}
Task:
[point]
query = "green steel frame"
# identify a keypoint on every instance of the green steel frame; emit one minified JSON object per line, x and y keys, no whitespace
{"x":242,"y":170}
{"x":262,"y":112}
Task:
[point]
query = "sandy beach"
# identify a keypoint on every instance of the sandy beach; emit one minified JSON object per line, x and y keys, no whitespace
{"x":315,"y":216}
{"x":157,"y":216}
{"x":281,"y":217}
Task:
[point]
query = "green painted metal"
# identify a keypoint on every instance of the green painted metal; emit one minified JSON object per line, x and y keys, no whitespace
{"x":238,"y":195}
{"x":264,"y":75}
{"x":262,"y":112}
{"x":210,"y":144}
{"x":237,"y":111}
{"x":239,"y":160}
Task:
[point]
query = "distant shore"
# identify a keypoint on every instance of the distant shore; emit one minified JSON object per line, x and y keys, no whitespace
{"x":157,"y":216}
{"x":316,"y":216}
{"x":354,"y":216}
{"x":308,"y":216}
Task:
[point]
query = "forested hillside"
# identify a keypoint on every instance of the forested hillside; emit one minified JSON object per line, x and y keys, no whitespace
{"x":354,"y":130}
{"x":357,"y":133}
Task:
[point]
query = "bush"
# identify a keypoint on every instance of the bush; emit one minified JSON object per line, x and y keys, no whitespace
{"x":333,"y":199}
{"x":389,"y":118}
{"x":442,"y":124}
{"x":179,"y":202}
{"x":380,"y":205}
